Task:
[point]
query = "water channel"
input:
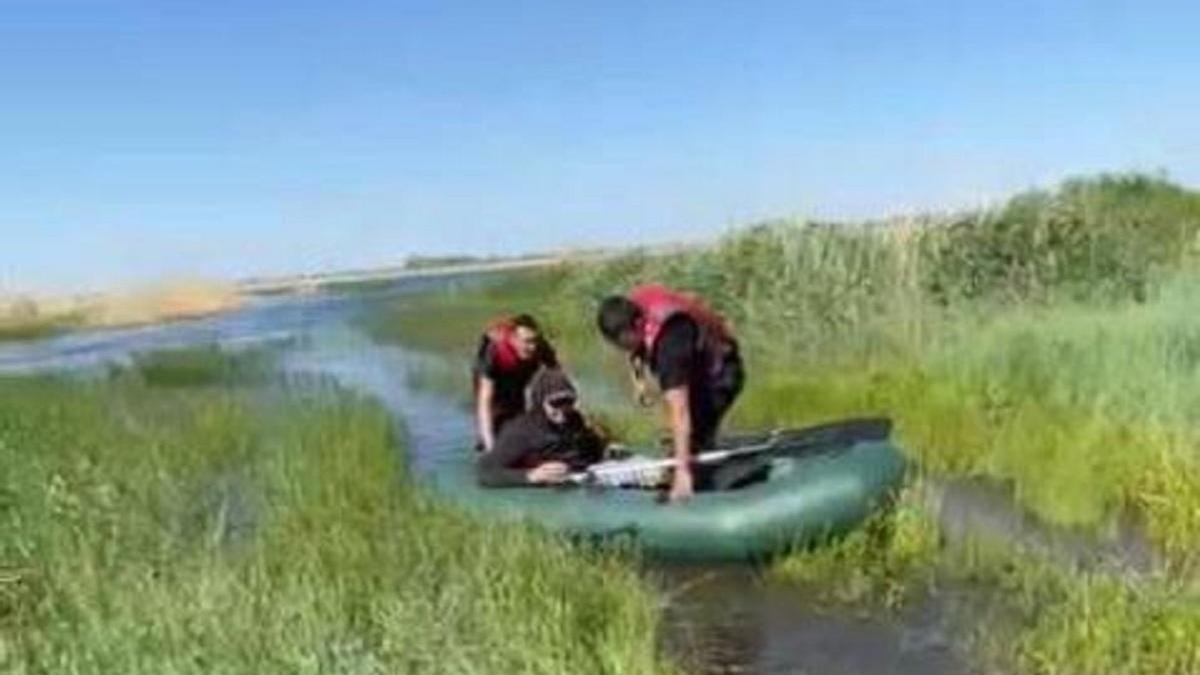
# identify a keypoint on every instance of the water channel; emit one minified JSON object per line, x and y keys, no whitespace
{"x":716,"y":620}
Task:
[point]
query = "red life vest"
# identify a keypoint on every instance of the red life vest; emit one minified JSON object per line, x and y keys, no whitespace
{"x":659,"y":303}
{"x":499,"y":334}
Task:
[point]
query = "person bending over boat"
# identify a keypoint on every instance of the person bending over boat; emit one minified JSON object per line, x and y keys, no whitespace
{"x":692,"y":354}
{"x":510,"y":351}
{"x":547,"y":443}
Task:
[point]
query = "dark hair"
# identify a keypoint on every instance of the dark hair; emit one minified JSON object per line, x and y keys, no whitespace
{"x":526,"y":321}
{"x":616,"y":315}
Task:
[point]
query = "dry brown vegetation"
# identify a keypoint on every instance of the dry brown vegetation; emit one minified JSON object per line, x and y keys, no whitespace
{"x":26,"y":316}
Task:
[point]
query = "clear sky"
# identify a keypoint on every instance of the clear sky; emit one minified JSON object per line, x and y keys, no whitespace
{"x":143,"y":140}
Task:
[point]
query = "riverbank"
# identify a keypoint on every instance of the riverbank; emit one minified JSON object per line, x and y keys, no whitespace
{"x":192,"y":515}
{"x":28,"y":318}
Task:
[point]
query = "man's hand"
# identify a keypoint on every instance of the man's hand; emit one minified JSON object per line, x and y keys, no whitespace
{"x":641,"y":385}
{"x":681,"y":484}
{"x":548,"y":473}
{"x":617,"y":451}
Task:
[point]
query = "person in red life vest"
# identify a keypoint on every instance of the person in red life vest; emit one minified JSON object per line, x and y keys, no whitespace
{"x":510,"y":352}
{"x":691,"y":353}
{"x":544,"y":445}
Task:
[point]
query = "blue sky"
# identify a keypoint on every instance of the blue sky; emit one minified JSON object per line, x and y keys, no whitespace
{"x":149,"y":140}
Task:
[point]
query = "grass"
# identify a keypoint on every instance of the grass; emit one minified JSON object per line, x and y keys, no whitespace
{"x":1050,"y":343}
{"x":884,"y":562}
{"x":206,"y":365}
{"x":1098,"y":625}
{"x":14,"y":329}
{"x":206,"y":529}
{"x":449,"y":319}
{"x":1081,"y":408}
{"x":1026,"y":615}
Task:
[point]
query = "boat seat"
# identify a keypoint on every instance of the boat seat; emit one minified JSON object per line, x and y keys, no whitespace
{"x":733,"y":474}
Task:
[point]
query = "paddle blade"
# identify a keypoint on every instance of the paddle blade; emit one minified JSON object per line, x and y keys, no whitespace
{"x":837,"y":434}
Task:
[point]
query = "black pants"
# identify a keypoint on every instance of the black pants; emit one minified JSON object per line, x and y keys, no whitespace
{"x":712,"y":396}
{"x":710,"y":400}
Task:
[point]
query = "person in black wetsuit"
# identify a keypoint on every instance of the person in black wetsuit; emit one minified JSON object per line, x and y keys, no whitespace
{"x":691,"y":352}
{"x":544,"y":445}
{"x":510,"y":351}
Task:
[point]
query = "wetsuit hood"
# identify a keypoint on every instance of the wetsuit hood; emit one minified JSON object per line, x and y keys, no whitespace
{"x":547,"y":384}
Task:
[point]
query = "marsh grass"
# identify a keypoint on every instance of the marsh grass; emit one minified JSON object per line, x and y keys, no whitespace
{"x":202,"y":365}
{"x":1098,"y":625}
{"x":450,"y":318}
{"x":887,"y":561}
{"x":1051,"y":343}
{"x":1023,"y":613}
{"x":197,"y":530}
{"x":34,"y":328}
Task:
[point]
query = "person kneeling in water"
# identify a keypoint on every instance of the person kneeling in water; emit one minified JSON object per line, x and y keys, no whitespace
{"x":547,"y":443}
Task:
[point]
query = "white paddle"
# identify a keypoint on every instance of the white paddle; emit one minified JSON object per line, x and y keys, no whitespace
{"x":597,"y":473}
{"x":794,"y":440}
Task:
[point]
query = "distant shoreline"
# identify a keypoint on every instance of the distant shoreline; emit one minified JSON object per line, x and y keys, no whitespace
{"x":305,"y":283}
{"x":308,"y":283}
{"x":24,"y":317}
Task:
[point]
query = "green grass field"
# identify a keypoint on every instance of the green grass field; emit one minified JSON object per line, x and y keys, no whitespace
{"x":153,"y":527}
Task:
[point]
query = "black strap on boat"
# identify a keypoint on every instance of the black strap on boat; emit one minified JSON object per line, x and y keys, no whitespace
{"x":823,"y":437}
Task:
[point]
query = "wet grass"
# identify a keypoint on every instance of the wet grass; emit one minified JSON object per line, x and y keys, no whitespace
{"x":202,"y":529}
{"x":205,"y":365}
{"x":1023,"y":613}
{"x":887,"y":561}
{"x":1085,"y":410}
{"x":1051,"y":344}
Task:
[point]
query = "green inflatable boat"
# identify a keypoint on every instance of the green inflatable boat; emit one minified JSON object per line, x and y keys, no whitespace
{"x":817,"y":483}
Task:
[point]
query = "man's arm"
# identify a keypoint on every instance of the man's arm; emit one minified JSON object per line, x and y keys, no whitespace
{"x":681,"y":437}
{"x":485,"y":394}
{"x":502,"y":467}
{"x":674,"y":362}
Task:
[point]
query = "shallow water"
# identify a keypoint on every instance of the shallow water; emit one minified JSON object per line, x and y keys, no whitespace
{"x":731,"y":620}
{"x":716,"y":620}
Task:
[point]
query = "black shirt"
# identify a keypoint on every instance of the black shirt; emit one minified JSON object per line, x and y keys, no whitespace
{"x":530,"y":440}
{"x":510,"y":384}
{"x":714,"y":380}
{"x":677,"y":360}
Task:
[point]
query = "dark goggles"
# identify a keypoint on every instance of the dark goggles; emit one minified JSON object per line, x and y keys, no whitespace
{"x":561,"y":402}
